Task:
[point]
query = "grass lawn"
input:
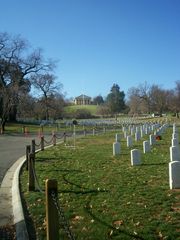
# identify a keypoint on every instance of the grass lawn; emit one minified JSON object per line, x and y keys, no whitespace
{"x":74,"y":108}
{"x":103,"y":196}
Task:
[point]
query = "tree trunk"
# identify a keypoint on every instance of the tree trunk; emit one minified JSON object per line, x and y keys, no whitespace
{"x":13,"y":113}
{"x":2,"y":126}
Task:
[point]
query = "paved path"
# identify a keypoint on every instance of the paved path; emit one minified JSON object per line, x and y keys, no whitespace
{"x":12,"y":147}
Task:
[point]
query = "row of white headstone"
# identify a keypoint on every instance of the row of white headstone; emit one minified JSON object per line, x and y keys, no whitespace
{"x":174,"y":165}
{"x":138,"y":133}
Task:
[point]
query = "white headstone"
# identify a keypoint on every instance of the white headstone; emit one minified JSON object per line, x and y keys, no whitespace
{"x":125,"y":134}
{"x":175,"y":130}
{"x":129,"y":141}
{"x":146,"y":130}
{"x":146,"y":146}
{"x":135,"y":157}
{"x":132,"y":131}
{"x":175,"y":135}
{"x":117,"y":138}
{"x":175,"y":142}
{"x":116,"y":148}
{"x":142,"y":133}
{"x":174,"y":153}
{"x":152,"y":139}
{"x":137,"y":128}
{"x":174,"y":175}
{"x":137,"y":136}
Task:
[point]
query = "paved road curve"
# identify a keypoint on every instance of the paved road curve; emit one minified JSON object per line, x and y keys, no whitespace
{"x":11,"y":148}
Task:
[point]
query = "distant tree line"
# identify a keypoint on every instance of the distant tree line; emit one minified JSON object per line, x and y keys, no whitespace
{"x":146,"y":99}
{"x":23,"y":68}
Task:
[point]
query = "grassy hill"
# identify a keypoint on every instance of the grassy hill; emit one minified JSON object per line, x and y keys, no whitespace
{"x":72,"y":109}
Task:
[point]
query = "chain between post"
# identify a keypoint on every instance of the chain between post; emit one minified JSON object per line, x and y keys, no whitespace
{"x":61,"y":214}
{"x":36,"y":179}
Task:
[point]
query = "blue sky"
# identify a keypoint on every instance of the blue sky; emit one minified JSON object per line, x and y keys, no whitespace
{"x":101,"y":42}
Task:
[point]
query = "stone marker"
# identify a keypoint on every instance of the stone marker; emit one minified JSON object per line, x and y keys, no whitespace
{"x":175,"y":130}
{"x":146,"y":130}
{"x":146,"y":146}
{"x":125,"y":134}
{"x":137,"y":136}
{"x":117,"y":138}
{"x":135,"y":157}
{"x":132,"y":131}
{"x":175,"y":135}
{"x":129,"y":141}
{"x":175,"y":142}
{"x":142,"y":133}
{"x":174,"y":174}
{"x":116,"y":148}
{"x":174,"y":153}
{"x":152,"y":139}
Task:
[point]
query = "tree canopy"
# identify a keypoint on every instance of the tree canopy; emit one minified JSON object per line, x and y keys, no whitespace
{"x":17,"y":65}
{"x":116,"y":99}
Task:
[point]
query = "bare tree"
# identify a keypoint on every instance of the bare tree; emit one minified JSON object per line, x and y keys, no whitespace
{"x":16,"y":68}
{"x":159,"y":99}
{"x":176,"y":99}
{"x":46,"y":84}
{"x":134,"y":101}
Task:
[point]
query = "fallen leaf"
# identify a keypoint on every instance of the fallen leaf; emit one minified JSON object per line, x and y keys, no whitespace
{"x":118,"y":223}
{"x":77,"y":218}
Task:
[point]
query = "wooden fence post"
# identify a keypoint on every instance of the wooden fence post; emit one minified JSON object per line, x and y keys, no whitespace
{"x":33,"y":146}
{"x":28,"y":150}
{"x":42,"y":143}
{"x":31,"y":165}
{"x":64,"y":137}
{"x":54,"y":139}
{"x":52,"y":220}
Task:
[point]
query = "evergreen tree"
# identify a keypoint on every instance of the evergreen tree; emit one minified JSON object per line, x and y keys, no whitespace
{"x":115,"y":99}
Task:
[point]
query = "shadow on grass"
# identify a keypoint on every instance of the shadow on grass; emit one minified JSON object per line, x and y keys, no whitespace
{"x":61,"y":170}
{"x":49,"y":159}
{"x":91,"y":191}
{"x":116,"y":231}
{"x":153,"y":164}
{"x":76,"y":185}
{"x":28,"y":218}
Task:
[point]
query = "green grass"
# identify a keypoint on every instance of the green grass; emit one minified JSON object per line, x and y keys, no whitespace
{"x":103,"y":196}
{"x":17,"y":128}
{"x":74,"y":108}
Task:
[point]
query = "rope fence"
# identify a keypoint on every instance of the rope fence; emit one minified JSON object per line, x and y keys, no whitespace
{"x":55,"y":216}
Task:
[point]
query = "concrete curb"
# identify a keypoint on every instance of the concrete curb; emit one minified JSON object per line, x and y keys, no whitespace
{"x":12,"y":206}
{"x":18,"y":213}
{"x":19,"y":220}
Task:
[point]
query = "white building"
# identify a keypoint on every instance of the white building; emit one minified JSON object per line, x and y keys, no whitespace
{"x":82,"y":100}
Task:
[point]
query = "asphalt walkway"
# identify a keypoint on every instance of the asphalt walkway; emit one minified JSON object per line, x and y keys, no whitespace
{"x":12,"y":147}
